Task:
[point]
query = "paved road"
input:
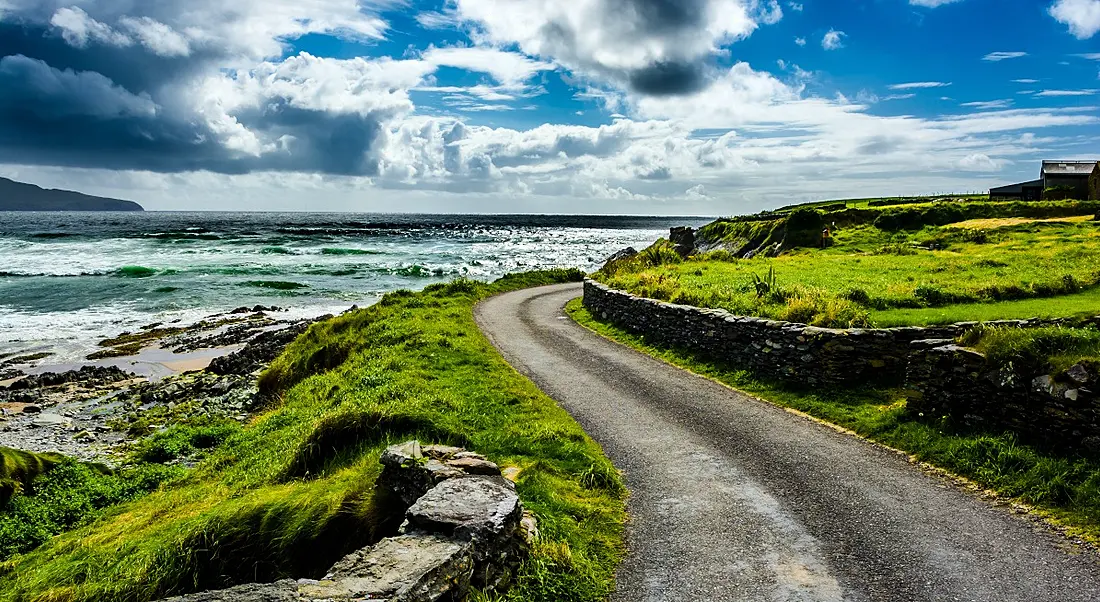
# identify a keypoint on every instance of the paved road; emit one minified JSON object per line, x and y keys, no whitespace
{"x":736,"y":500}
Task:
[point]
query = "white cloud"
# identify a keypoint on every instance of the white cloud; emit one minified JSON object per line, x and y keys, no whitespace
{"x":437,"y":20}
{"x":157,"y":37}
{"x":78,"y":29}
{"x":800,"y":41}
{"x":795,"y":6}
{"x":833,"y":40}
{"x":987,"y":105}
{"x":919,"y":85}
{"x":509,"y":68}
{"x":1001,"y":56}
{"x":1090,"y":92}
{"x":1082,"y":16}
{"x":980,"y":162}
{"x":1025,"y":81}
{"x":931,"y":3}
{"x":1092,"y":56}
{"x":653,"y":47}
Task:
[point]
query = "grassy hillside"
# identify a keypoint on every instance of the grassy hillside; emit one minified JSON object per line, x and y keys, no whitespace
{"x":292,"y":491}
{"x":913,"y":264}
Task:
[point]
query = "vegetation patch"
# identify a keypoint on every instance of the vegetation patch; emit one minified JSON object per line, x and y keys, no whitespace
{"x":291,"y":491}
{"x":879,"y":275}
{"x":1066,"y":487}
{"x":1036,"y":350}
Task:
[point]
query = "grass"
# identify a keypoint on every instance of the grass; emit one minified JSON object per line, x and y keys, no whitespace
{"x":874,"y":277}
{"x":292,"y":491}
{"x":1036,"y":350}
{"x":1064,"y":488}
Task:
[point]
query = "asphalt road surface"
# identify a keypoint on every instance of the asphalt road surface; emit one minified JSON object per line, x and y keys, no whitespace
{"x":733,"y":499}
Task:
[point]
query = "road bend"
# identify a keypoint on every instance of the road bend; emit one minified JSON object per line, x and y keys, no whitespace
{"x":733,"y":499}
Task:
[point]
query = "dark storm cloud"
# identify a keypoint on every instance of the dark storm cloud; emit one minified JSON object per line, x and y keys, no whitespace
{"x":115,"y":107}
{"x":662,"y":16}
{"x":663,"y":79}
{"x":674,"y":21}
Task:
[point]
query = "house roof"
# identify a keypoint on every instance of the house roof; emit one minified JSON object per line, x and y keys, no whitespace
{"x":1068,"y":168}
{"x":1016,"y":188}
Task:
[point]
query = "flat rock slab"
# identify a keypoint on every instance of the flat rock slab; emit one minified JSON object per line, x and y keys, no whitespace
{"x":410,"y":568}
{"x":471,"y":507}
{"x":280,"y":591}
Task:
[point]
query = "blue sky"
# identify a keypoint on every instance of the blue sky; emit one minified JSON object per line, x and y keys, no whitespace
{"x":603,"y":106}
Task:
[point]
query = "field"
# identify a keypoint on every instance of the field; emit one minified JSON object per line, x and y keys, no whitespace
{"x":292,"y":491}
{"x":915,"y":264}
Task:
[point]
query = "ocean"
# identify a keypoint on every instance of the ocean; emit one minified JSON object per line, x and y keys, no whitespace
{"x":69,"y":280}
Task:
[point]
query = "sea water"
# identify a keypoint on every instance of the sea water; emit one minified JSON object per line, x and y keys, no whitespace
{"x":68,"y":280}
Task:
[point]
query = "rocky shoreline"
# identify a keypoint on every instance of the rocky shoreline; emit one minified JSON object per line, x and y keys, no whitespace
{"x":93,"y":412}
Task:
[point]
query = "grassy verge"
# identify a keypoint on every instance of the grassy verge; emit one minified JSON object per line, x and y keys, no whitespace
{"x":1064,"y":488}
{"x":292,"y":491}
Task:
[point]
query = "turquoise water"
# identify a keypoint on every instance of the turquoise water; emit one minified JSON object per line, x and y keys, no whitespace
{"x":68,"y":280}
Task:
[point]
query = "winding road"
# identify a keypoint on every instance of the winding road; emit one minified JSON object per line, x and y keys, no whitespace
{"x":733,"y":499}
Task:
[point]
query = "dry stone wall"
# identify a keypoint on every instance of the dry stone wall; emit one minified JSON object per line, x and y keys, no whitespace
{"x":958,"y":384}
{"x":464,"y":528}
{"x":784,"y":350}
{"x":944,"y":380}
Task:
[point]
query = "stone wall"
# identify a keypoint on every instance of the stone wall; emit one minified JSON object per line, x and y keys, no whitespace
{"x":464,"y":527}
{"x":784,"y":350}
{"x":958,"y":384}
{"x":943,"y":380}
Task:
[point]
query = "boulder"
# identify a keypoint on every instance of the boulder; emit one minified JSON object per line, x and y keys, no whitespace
{"x":683,"y":240}
{"x":479,"y":509}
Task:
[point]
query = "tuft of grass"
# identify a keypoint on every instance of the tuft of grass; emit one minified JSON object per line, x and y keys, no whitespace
{"x":1065,"y":487}
{"x":19,"y":468}
{"x":292,"y":491}
{"x":1036,"y":350}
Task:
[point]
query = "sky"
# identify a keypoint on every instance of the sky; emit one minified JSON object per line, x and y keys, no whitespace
{"x":674,"y":107}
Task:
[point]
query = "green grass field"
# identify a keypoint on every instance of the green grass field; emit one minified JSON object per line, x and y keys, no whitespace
{"x":1064,"y":488}
{"x":998,"y":267}
{"x":292,"y":491}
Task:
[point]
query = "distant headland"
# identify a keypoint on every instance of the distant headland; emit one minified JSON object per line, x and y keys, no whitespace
{"x":16,"y":196}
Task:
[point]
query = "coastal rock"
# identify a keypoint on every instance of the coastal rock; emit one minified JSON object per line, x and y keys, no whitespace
{"x":87,"y":376}
{"x":258,"y":352}
{"x":683,"y":240}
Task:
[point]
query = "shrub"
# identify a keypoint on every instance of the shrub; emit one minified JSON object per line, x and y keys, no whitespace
{"x":658,"y":254}
{"x":858,"y":296}
{"x":935,"y":297}
{"x":70,"y":495}
{"x":767,"y":285}
{"x":818,"y":308}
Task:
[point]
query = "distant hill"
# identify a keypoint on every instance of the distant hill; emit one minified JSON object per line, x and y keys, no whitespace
{"x":16,"y":196}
